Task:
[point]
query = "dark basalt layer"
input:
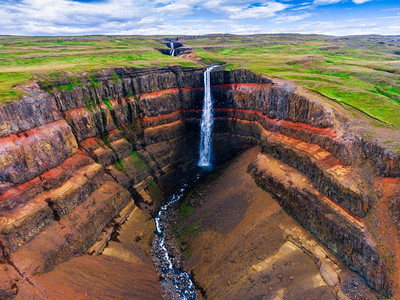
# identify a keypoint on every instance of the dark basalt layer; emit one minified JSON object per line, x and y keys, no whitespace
{"x":124,"y":133}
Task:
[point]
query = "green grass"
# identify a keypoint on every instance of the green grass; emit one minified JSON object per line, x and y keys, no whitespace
{"x":151,"y":184}
{"x":44,"y":58}
{"x":107,"y":102}
{"x":362,"y":72}
{"x":365,"y":77}
{"x":8,"y":81}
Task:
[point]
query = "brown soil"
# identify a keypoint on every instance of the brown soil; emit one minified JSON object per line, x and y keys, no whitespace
{"x":99,"y":277}
{"x":191,"y":55}
{"x":242,"y":245}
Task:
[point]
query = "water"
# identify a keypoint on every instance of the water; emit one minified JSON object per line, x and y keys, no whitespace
{"x":179,"y":281}
{"x":207,"y":122}
{"x":172,"y":52}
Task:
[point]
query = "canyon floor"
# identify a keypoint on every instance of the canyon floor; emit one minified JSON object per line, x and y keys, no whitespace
{"x":240,"y":244}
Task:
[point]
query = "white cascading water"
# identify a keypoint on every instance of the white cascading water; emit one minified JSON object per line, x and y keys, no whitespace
{"x":172,"y":277}
{"x":207,"y":122}
{"x":172,"y":52}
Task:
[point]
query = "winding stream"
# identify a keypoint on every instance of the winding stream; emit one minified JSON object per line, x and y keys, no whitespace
{"x":177,"y":283}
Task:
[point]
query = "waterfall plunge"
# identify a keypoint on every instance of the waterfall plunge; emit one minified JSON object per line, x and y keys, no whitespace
{"x":207,"y":122}
{"x":181,"y":281}
{"x":172,"y":52}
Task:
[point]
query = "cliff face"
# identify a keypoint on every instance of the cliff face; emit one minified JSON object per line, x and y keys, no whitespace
{"x":73,"y":157}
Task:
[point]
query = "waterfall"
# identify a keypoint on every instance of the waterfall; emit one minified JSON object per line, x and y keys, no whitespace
{"x":172,"y":52}
{"x":206,"y":122}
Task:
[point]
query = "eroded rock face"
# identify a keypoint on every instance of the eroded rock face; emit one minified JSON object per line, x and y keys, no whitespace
{"x":70,"y":160}
{"x":22,"y":115}
{"x":298,"y":196}
{"x":28,"y":154}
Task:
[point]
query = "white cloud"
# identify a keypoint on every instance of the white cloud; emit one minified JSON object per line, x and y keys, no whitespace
{"x":339,"y":29}
{"x":303,"y":7}
{"x":390,"y":17}
{"x":68,"y":17}
{"x":177,"y":8}
{"x":391,"y":9}
{"x":291,"y":18}
{"x":71,"y":17}
{"x":149,"y":21}
{"x":360,"y":1}
{"x":61,"y":17}
{"x":256,"y":12}
{"x":326,"y":2}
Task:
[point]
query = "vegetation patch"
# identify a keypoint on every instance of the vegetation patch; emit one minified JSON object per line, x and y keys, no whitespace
{"x":186,"y":210}
{"x":136,"y":159}
{"x":151,"y":184}
{"x":115,"y":77}
{"x":106,"y":140}
{"x":120,"y":164}
{"x":108,"y":104}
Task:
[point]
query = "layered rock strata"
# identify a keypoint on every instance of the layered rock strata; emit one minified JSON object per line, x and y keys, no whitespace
{"x":323,"y":217}
{"x":73,"y":157}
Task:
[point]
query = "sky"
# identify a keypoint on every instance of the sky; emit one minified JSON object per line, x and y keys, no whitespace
{"x":195,"y":17}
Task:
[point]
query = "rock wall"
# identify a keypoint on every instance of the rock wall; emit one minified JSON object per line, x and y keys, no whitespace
{"x":340,"y":230}
{"x":72,"y":157}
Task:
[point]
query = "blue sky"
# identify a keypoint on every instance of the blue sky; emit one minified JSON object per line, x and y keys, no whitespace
{"x":177,"y":17}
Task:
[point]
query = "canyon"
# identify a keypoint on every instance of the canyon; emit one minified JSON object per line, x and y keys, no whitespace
{"x":81,"y":157}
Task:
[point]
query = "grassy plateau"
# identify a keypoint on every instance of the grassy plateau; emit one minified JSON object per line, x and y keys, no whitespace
{"x":362,"y":72}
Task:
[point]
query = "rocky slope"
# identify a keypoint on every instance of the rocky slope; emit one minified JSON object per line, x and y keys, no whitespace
{"x":77,"y":151}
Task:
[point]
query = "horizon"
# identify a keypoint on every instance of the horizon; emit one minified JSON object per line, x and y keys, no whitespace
{"x":196,"y":35}
{"x":196,"y":17}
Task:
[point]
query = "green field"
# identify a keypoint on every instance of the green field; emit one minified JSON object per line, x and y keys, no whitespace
{"x":22,"y":59}
{"x":361,"y":72}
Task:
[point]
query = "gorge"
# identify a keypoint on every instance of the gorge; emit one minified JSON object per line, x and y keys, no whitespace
{"x":79,"y":158}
